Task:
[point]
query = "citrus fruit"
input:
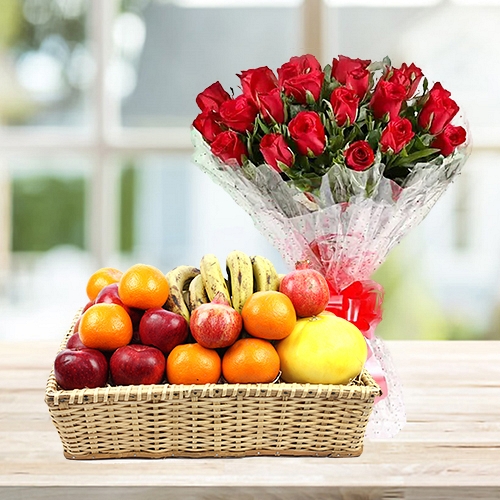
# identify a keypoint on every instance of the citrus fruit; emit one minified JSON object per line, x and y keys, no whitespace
{"x":250,"y":361}
{"x":105,"y":327}
{"x":193,"y":364}
{"x":269,"y":315}
{"x":324,"y":349}
{"x":143,"y":287}
{"x":101,"y":278}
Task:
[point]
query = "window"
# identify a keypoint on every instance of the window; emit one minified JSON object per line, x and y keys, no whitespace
{"x":96,"y":99}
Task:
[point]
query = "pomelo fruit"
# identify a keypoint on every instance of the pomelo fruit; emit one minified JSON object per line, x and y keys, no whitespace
{"x":323,"y":349}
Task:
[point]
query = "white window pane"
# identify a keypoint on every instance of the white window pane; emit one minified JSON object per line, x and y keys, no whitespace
{"x":187,"y":49}
{"x":178,"y":214}
{"x":45,"y":65}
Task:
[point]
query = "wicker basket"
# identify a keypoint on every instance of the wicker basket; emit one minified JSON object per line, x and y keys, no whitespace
{"x":217,"y":420}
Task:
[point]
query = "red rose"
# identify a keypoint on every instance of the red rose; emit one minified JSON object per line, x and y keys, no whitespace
{"x":271,"y":106}
{"x":308,"y":132}
{"x":408,"y":76}
{"x":448,"y":140}
{"x":298,"y":86}
{"x":387,"y":98}
{"x":238,"y":114}
{"x":212,"y":97}
{"x":274,"y":149}
{"x":345,"y":105}
{"x":438,"y":111}
{"x":297,"y":66}
{"x":359,"y":156}
{"x":257,"y":81}
{"x":358,"y":80}
{"x":229,"y":147}
{"x":342,"y":66}
{"x":396,"y":135}
{"x":207,"y":123}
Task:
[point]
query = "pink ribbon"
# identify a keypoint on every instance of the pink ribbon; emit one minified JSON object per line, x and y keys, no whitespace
{"x":361,"y":304}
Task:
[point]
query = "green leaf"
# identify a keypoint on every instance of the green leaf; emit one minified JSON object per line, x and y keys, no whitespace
{"x":415,"y":156}
{"x":373,"y":138}
{"x":262,"y":125}
{"x":310,"y":98}
{"x":328,"y":72}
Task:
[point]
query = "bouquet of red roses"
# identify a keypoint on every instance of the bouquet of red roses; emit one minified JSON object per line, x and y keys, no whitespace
{"x":335,"y":166}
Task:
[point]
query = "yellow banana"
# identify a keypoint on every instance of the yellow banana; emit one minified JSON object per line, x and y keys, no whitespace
{"x":240,"y":273}
{"x":265,"y":276}
{"x":213,"y":279}
{"x":197,"y":293}
{"x":179,"y":279}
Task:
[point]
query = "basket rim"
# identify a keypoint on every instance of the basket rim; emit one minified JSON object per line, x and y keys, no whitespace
{"x":363,"y":387}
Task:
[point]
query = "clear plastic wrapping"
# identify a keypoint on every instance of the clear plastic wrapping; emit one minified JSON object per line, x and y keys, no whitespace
{"x":345,"y":230}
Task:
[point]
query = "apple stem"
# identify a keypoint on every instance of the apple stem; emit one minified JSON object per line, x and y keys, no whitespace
{"x":302,"y":264}
{"x":220,"y":298}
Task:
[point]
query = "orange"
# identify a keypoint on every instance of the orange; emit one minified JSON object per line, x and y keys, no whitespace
{"x":101,"y":278}
{"x":193,"y":364}
{"x":105,"y":327}
{"x":143,"y":287}
{"x":269,"y":315}
{"x":251,"y":361}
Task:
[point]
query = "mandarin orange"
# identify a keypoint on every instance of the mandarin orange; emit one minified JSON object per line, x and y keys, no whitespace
{"x":143,"y":286}
{"x":105,"y":327}
{"x":193,"y":364}
{"x":269,"y":315}
{"x":250,"y":361}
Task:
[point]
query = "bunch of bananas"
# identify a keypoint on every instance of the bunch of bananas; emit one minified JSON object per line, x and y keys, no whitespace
{"x":190,"y":287}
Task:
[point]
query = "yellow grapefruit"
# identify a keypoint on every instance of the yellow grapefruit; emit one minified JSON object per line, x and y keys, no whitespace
{"x":323,"y":349}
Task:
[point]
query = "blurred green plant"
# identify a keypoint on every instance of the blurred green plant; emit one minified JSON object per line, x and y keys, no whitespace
{"x":47,"y":211}
{"x":128,"y":184}
{"x":411,"y":312}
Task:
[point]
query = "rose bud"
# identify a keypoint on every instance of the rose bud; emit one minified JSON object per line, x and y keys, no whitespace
{"x":438,"y":111}
{"x":359,"y":156}
{"x":308,"y":133}
{"x":387,"y":99}
{"x":396,"y":135}
{"x":449,"y":139}
{"x":271,"y":106}
{"x":257,"y":81}
{"x":358,"y":80}
{"x":298,"y":86}
{"x":297,"y":66}
{"x":275,"y":150}
{"x":206,"y":123}
{"x":229,"y":147}
{"x":408,"y":76}
{"x":212,"y":97}
{"x":238,"y":114}
{"x":343,"y":66}
{"x":345,"y":105}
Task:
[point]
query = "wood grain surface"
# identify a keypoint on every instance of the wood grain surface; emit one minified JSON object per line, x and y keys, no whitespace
{"x":450,"y":447}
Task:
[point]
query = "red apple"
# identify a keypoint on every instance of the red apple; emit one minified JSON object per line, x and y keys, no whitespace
{"x":109,"y":295}
{"x":77,"y":325}
{"x":135,"y":364}
{"x":162,"y":329}
{"x":307,"y":289}
{"x":216,"y":324}
{"x":75,"y":342}
{"x":80,"y":368}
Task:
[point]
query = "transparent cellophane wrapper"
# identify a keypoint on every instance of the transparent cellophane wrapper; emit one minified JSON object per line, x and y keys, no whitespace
{"x":345,"y":232}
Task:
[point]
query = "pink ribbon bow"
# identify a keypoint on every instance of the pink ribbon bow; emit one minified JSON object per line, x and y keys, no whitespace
{"x":361,"y":304}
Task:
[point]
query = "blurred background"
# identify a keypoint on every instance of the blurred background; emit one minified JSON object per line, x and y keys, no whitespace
{"x":96,"y":100}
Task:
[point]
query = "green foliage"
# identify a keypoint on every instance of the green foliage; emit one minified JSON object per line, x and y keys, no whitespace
{"x":47,"y":211}
{"x":128,"y":183}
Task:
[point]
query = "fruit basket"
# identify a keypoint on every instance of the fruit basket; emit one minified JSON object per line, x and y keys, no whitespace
{"x":212,"y":420}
